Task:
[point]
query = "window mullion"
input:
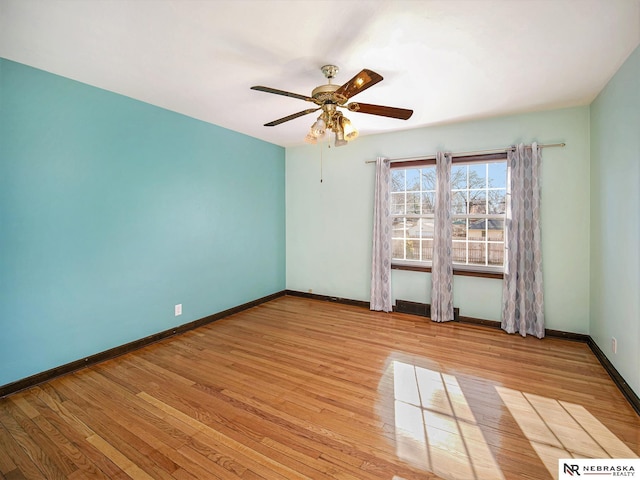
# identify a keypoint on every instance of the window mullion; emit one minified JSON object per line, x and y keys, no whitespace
{"x":404,"y":219}
{"x":404,"y":233}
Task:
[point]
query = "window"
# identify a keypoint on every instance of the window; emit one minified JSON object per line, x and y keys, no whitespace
{"x":412,"y":209}
{"x":478,"y":207}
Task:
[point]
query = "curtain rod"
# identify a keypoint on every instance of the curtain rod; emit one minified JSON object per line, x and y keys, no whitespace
{"x":466,"y":154}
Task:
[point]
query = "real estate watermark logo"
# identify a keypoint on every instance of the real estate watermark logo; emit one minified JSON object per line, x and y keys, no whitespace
{"x":595,"y":468}
{"x":571,"y":469}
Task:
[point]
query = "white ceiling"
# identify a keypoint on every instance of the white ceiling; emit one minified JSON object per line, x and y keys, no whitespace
{"x":448,"y":60}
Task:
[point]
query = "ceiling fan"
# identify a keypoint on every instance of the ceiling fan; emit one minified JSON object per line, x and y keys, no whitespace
{"x":329,"y":98}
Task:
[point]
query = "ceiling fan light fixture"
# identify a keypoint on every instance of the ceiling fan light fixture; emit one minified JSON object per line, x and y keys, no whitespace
{"x":340,"y":141}
{"x":319,"y":128}
{"x":310,"y":139}
{"x":350,"y":132}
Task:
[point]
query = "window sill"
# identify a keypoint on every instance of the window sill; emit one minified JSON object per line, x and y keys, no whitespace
{"x":456,"y":271}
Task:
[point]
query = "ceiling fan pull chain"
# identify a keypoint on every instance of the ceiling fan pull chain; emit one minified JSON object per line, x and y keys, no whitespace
{"x":320,"y":162}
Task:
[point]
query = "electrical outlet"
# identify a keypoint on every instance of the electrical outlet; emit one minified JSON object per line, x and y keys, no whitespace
{"x":614,"y":345}
{"x":177,"y":310}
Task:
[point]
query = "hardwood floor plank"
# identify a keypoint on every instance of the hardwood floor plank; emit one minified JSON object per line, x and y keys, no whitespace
{"x":7,"y":464}
{"x":205,"y":467}
{"x":113,"y":424}
{"x":298,"y":388}
{"x":225,"y":440}
{"x":67,"y":448}
{"x":50,"y":463}
{"x":75,"y":432}
{"x":118,"y":458}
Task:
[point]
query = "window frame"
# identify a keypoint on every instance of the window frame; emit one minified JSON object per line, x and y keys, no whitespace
{"x":458,"y":269}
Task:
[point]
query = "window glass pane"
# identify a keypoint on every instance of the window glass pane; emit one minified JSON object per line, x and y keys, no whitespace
{"x":496,"y":253}
{"x":413,"y":179}
{"x":460,"y":229}
{"x":398,"y":229}
{"x":497,"y":201}
{"x":459,"y":203}
{"x":398,"y":206}
{"x":477,"y":255}
{"x":428,"y":178}
{"x":427,"y":250}
{"x":459,"y":252}
{"x":477,"y":201}
{"x":477,"y":229}
{"x":426,"y":227}
{"x":413,"y":227}
{"x":498,"y":174}
{"x":413,"y":203}
{"x":495,"y":230}
{"x":428,"y":203}
{"x":397,"y":249}
{"x":413,"y":249}
{"x":397,"y":180}
{"x":478,"y":175}
{"x":458,"y":177}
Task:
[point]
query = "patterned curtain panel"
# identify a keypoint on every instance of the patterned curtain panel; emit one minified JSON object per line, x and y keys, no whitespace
{"x":442,"y":264}
{"x":522,"y":298}
{"x":381,"y":255}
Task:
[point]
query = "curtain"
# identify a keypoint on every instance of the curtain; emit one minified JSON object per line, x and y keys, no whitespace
{"x":381,"y":254}
{"x":522,"y":298}
{"x":442,"y":264}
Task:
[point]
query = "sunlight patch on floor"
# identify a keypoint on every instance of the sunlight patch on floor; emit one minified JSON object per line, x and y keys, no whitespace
{"x":435,"y":428}
{"x":559,"y":429}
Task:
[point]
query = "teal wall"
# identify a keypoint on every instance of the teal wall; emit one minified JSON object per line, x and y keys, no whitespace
{"x":112,"y":211}
{"x":615,"y":220}
{"x":329,"y":224}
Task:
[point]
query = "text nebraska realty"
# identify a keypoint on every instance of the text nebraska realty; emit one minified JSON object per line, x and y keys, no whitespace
{"x":613,"y":470}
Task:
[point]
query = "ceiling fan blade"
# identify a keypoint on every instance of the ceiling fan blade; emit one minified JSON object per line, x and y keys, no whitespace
{"x":393,"y":112}
{"x":362,"y":81}
{"x":291,"y":117}
{"x":281,"y":92}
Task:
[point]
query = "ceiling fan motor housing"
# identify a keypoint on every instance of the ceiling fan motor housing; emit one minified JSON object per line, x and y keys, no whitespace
{"x":325,"y":94}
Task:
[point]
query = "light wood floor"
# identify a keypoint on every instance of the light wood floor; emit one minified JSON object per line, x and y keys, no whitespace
{"x":305,"y":389}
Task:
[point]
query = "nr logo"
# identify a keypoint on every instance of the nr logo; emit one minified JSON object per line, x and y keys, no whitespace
{"x":571,"y":469}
